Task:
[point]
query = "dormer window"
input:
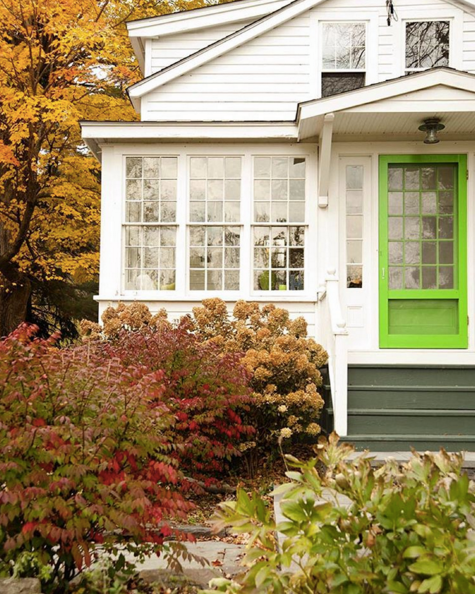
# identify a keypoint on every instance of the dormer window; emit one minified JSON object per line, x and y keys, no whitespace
{"x":427,"y":45}
{"x":343,"y":57}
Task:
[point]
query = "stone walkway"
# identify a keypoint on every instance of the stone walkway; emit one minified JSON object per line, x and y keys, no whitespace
{"x":221,"y":559}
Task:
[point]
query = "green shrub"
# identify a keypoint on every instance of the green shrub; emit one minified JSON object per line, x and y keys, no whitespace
{"x":403,"y":529}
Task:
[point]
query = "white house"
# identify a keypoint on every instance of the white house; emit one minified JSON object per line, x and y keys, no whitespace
{"x":280,"y":158}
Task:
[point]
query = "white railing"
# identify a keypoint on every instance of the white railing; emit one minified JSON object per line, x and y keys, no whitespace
{"x":335,"y":337}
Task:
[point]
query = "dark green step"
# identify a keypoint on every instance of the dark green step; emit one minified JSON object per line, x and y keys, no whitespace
{"x":403,"y":443}
{"x":411,"y":375}
{"x":443,"y":422}
{"x":430,"y":396}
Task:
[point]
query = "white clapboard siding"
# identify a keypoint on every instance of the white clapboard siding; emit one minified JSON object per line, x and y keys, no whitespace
{"x":469,"y":42}
{"x":168,"y":50}
{"x":263,"y":80}
{"x":267,"y":77}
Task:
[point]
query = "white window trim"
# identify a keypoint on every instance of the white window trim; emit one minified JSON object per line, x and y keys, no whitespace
{"x":247,"y":152}
{"x":124,"y":223}
{"x":371,"y":52}
{"x":455,"y":18}
{"x":253,"y":225}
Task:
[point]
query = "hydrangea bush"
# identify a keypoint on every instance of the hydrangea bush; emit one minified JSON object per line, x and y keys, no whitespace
{"x":283,"y":362}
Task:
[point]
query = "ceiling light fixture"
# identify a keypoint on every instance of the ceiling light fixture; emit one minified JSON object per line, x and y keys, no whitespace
{"x":431,"y":126}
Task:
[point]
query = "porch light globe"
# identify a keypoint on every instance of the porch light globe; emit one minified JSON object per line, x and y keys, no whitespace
{"x":431,"y":127}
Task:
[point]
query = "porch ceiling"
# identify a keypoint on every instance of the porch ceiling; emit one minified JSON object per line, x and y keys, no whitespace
{"x":400,"y":126}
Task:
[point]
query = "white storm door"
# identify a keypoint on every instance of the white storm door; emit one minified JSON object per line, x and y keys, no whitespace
{"x":357,"y":292}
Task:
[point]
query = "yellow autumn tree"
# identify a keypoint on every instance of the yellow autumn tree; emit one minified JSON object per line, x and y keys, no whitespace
{"x":61,"y":61}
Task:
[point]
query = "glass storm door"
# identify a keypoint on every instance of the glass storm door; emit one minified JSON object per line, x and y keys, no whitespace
{"x":423,"y":247}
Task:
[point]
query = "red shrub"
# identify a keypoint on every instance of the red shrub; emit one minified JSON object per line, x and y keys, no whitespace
{"x":83,"y":453}
{"x":205,"y":389}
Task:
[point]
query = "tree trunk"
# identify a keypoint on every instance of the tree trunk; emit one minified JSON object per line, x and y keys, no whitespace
{"x":15,"y":294}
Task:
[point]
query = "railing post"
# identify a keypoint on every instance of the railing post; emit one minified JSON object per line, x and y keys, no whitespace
{"x":339,"y":356}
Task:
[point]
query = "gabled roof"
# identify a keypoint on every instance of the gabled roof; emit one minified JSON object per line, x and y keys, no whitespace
{"x":251,"y":31}
{"x":220,"y":47}
{"x":195,"y":18}
{"x":372,"y":98}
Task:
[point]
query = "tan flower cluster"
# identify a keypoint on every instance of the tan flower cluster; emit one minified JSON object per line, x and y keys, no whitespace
{"x":283,"y":360}
{"x":123,"y":317}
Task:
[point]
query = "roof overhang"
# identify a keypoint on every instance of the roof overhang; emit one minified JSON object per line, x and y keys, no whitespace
{"x":249,"y":32}
{"x":99,"y":134}
{"x":196,"y":19}
{"x":395,"y":108}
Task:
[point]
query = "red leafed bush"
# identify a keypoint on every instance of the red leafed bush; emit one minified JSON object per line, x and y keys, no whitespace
{"x":84,"y":457}
{"x":206,"y":390}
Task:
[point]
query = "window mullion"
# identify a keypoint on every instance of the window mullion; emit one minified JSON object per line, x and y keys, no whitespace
{"x":182,"y":217}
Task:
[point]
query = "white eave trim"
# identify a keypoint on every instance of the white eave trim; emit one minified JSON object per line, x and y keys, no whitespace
{"x":96,"y":134}
{"x":209,"y":16}
{"x":220,"y":47}
{"x":386,"y":90}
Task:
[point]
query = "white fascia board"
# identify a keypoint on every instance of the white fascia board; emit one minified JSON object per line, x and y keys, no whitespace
{"x":107,"y":132}
{"x":222,"y":46}
{"x":386,"y":90}
{"x":139,"y":51}
{"x":211,"y":16}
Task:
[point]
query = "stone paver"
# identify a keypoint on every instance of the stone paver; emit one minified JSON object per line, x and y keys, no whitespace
{"x":222,"y":558}
{"x":21,"y":586}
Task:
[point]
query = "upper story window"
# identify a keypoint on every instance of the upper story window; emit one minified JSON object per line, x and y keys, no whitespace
{"x":427,"y":45}
{"x":343,"y":57}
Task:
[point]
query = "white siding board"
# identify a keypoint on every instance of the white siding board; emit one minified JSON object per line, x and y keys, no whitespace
{"x":267,"y":77}
{"x":168,"y":50}
{"x":468,"y":42}
{"x":263,"y":80}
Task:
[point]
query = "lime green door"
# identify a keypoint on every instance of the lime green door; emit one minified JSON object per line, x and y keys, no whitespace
{"x":423,"y":251}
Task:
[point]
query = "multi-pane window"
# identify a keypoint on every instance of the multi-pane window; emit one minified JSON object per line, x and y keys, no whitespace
{"x":215,"y":189}
{"x":427,"y":45}
{"x":215,"y":205}
{"x":354,"y":226}
{"x":279,"y":189}
{"x":214,"y":258}
{"x":343,"y":57}
{"x":150,"y":236}
{"x":279,"y":258}
{"x":279,"y":199}
{"x":422,"y":220}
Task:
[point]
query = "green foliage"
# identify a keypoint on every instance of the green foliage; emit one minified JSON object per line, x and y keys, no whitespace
{"x":360,"y":530}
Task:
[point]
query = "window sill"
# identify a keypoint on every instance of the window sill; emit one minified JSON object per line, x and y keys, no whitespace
{"x":171,"y":296}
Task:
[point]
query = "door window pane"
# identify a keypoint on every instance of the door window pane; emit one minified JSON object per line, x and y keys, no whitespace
{"x":354,"y":183}
{"x":425,"y":229}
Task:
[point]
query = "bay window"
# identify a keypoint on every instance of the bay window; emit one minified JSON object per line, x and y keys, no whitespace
{"x":214,"y":223}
